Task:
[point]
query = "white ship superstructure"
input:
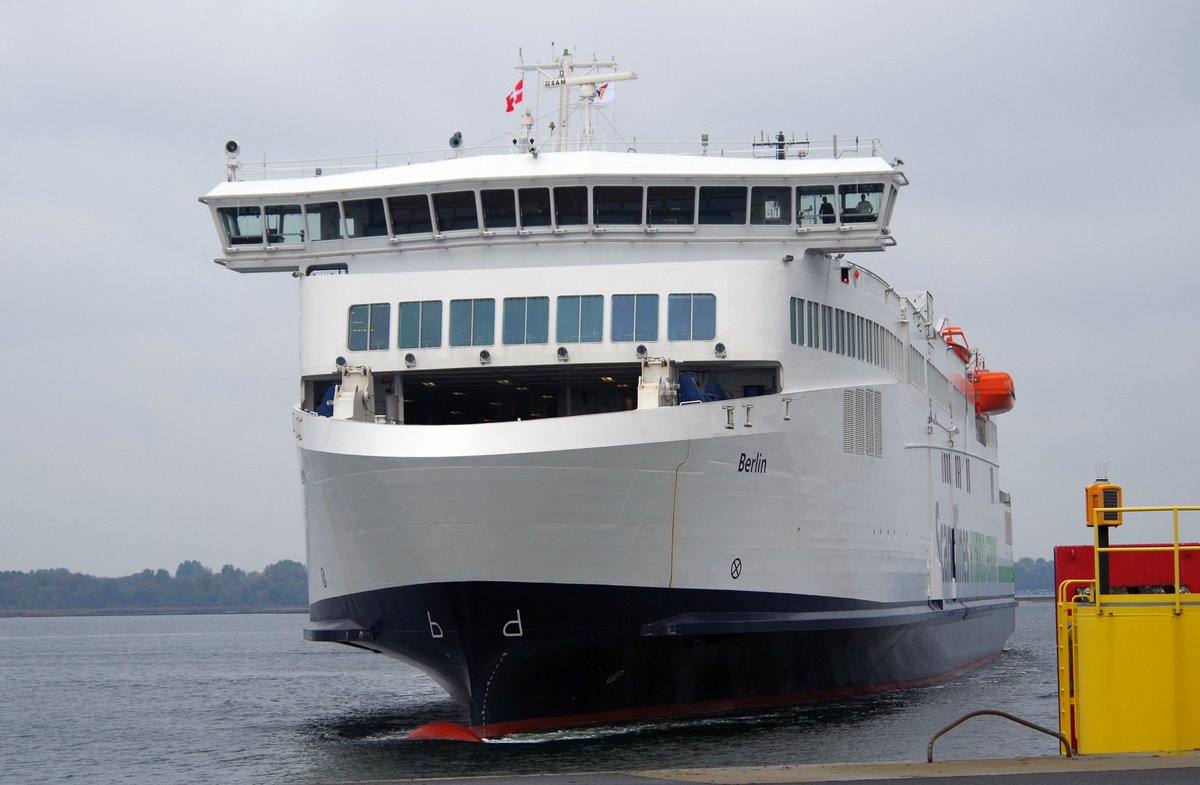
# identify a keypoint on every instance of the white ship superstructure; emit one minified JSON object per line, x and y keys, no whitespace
{"x":593,"y":435}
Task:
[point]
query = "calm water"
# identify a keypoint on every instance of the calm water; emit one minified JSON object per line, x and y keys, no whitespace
{"x":244,"y":699}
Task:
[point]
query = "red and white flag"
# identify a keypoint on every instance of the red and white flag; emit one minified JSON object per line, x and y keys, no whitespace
{"x":516,"y":96}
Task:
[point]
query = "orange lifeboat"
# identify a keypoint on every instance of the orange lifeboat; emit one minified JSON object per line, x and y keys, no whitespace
{"x":952,"y":336}
{"x":994,"y":391}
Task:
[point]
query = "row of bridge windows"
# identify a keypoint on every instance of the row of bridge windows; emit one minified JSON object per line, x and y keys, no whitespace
{"x":566,"y":206}
{"x":526,"y":320}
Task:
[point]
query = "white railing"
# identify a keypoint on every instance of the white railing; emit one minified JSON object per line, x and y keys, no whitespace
{"x":764,"y":147}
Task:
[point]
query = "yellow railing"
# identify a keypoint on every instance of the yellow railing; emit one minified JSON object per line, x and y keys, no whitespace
{"x":1174,"y":547}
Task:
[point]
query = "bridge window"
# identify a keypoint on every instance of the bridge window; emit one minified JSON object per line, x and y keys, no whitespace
{"x":410,"y":214}
{"x":816,"y":205}
{"x":535,"y":206}
{"x":722,"y":204}
{"x":368,"y":328}
{"x":323,"y":220}
{"x":499,"y":208}
{"x":285,"y":223}
{"x":526,"y":320}
{"x":570,"y":205}
{"x":635,"y":317}
{"x":243,"y":225}
{"x":580,"y":319}
{"x":420,"y":324}
{"x":770,"y":204}
{"x":365,"y":218}
{"x":472,"y":322}
{"x":860,"y":203}
{"x":691,"y":317}
{"x":455,"y":210}
{"x":617,"y":204}
{"x":671,"y":204}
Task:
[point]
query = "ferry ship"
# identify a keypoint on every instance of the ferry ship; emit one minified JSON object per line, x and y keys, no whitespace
{"x":594,"y":434}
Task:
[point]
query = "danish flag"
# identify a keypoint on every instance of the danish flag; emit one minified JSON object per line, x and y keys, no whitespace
{"x":516,"y":96}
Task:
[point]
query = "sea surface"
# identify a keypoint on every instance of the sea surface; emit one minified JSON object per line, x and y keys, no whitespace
{"x":244,"y":699}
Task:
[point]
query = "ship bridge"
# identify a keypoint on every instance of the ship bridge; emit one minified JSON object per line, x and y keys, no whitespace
{"x":365,"y":220}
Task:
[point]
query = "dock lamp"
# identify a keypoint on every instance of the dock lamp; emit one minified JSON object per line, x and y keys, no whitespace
{"x":1100,"y":499}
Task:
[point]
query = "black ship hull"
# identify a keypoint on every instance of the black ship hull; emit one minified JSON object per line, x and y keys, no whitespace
{"x":523,"y":656}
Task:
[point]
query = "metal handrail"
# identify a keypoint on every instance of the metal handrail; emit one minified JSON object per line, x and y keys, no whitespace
{"x":1005,"y":715}
{"x":338,"y":164}
{"x":1175,"y":547}
{"x":1062,"y":588}
{"x":1066,"y":652}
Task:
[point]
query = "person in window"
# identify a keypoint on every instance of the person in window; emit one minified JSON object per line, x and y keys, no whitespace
{"x":864,"y":206}
{"x":826,"y":211}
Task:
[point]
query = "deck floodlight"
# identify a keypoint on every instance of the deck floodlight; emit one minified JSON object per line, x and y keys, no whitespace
{"x":485,"y":357}
{"x":563,"y":354}
{"x":410,"y":360}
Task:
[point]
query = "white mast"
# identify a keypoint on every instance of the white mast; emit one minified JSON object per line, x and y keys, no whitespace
{"x":559,"y":74}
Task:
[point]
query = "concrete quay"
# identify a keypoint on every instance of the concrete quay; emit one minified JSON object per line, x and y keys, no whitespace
{"x":1147,"y":769}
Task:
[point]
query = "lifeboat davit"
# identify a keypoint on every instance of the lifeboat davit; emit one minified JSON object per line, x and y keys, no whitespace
{"x":952,"y":336}
{"x":994,"y":391}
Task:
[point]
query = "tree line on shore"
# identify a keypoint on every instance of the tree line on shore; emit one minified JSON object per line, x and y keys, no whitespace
{"x":1033,"y":575}
{"x":193,"y":586}
{"x":282,"y":584}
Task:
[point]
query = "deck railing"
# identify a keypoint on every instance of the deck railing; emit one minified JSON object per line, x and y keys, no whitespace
{"x":1175,"y":548}
{"x":854,"y":147}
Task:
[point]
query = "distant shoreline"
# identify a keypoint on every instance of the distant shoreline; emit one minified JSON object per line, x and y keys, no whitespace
{"x":5,"y":614}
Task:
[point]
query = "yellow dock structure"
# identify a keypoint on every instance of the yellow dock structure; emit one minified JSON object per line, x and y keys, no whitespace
{"x":1129,"y":663}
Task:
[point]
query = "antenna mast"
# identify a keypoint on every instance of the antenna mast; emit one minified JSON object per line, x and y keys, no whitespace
{"x":560,"y":74}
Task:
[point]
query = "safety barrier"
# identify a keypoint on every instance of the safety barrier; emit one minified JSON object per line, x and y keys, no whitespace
{"x":1127,"y":679}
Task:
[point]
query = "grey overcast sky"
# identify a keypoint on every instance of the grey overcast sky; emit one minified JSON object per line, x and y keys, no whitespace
{"x":1051,"y":148}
